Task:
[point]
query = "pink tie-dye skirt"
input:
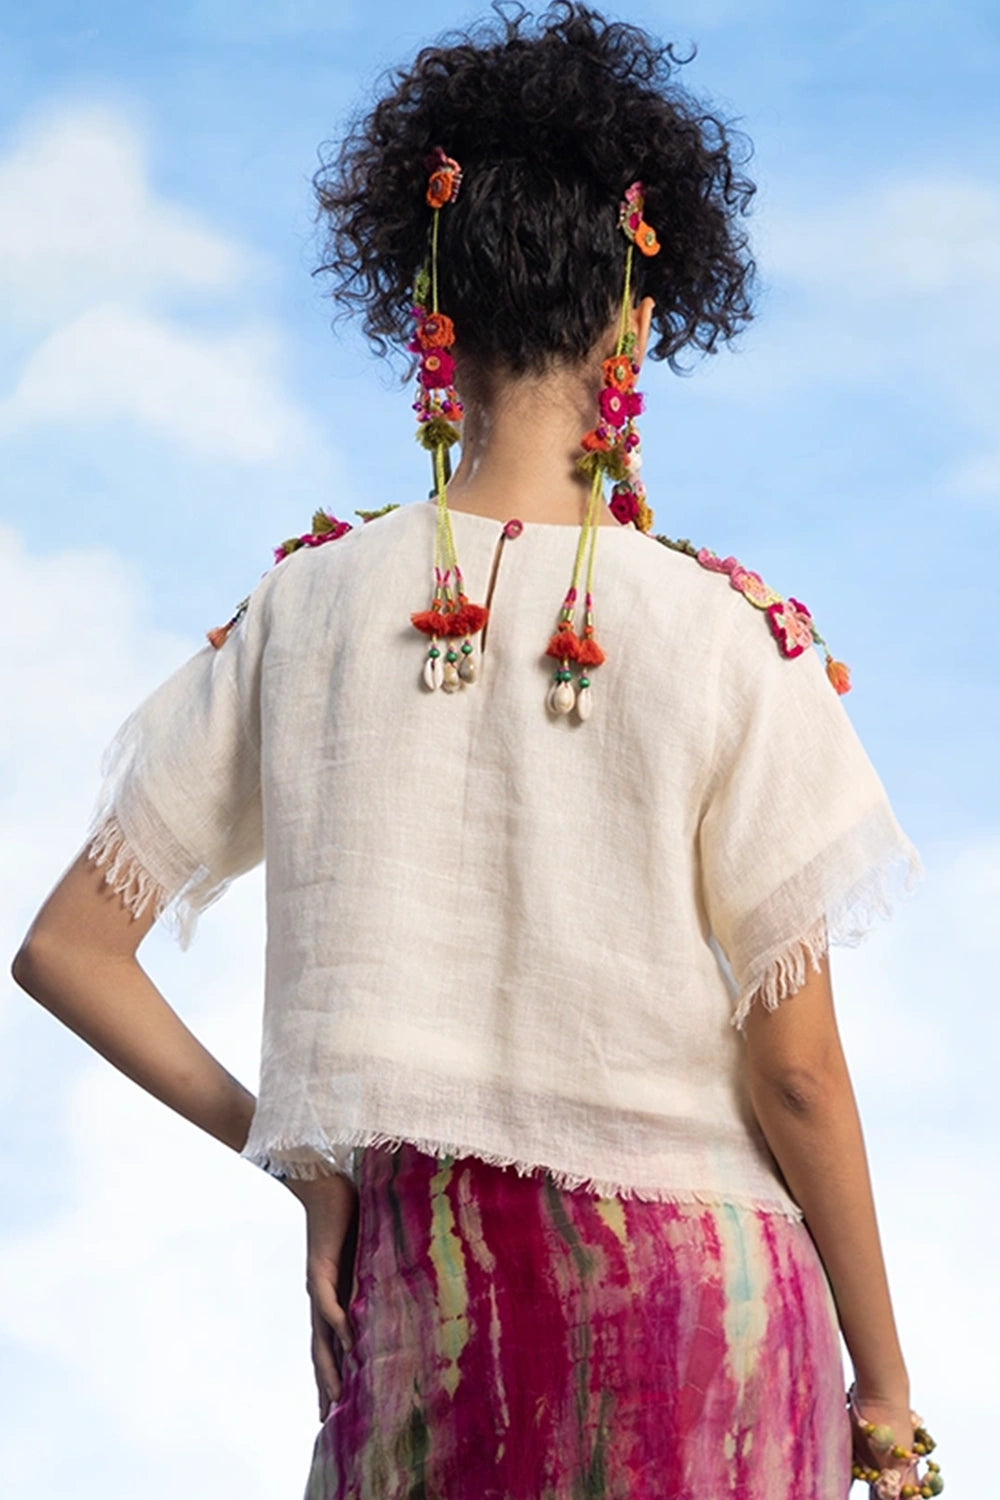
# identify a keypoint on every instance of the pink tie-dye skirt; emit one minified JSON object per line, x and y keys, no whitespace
{"x":518,"y":1341}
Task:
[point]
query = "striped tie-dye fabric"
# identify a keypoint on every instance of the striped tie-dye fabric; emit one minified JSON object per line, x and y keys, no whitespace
{"x":518,"y":1341}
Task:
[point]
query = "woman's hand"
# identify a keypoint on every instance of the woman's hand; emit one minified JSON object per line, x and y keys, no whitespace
{"x":331,"y":1229}
{"x":891,"y":1411}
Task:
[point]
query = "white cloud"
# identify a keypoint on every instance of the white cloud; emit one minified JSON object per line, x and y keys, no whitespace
{"x":91,"y":255}
{"x":923,"y":237}
{"x":893,"y":291}
{"x":218,"y":396}
{"x":79,"y":221}
{"x":918,"y":987}
{"x":76,"y":653}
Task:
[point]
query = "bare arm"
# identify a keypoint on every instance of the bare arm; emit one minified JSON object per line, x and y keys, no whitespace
{"x":802,"y":1095}
{"x":79,"y":961}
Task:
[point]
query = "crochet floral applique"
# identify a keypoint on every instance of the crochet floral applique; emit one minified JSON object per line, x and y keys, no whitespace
{"x":791,"y":623}
{"x":325,"y":528}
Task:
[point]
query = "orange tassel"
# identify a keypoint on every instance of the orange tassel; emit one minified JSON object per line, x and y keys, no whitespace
{"x":839,"y":674}
{"x":564,"y":645}
{"x":590,"y":653}
{"x":469,"y":618}
{"x":219,"y":636}
{"x":431,"y":622}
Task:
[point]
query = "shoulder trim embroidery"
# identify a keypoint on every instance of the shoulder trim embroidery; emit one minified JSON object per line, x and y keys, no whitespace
{"x":791,"y":623}
{"x":325,"y":528}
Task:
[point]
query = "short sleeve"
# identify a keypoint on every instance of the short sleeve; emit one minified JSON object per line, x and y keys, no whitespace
{"x":799,"y":845}
{"x":179,"y":813}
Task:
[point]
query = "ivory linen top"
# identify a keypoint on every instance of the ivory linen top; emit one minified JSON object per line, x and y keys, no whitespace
{"x":491,"y":931}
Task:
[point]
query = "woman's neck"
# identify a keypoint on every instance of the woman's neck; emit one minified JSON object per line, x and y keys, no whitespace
{"x":520,"y":445}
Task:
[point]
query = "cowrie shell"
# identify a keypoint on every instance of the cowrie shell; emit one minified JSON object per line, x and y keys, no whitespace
{"x":564,"y":697}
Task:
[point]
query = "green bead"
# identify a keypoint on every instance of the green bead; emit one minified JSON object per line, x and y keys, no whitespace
{"x":451,"y":656}
{"x":466,"y":647}
{"x":584,"y":682}
{"x":434,"y":653}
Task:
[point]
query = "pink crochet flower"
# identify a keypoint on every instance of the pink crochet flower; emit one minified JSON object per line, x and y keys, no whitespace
{"x":634,"y":403}
{"x":792,"y":626}
{"x":614,"y":406}
{"x":624,"y":506}
{"x":753,"y":587}
{"x":714,"y":563}
{"x":437,"y":368}
{"x":317,"y":538}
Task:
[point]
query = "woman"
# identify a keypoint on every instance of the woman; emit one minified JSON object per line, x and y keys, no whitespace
{"x":570,"y":1231}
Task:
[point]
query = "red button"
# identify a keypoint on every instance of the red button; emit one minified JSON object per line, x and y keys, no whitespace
{"x":513,"y":529}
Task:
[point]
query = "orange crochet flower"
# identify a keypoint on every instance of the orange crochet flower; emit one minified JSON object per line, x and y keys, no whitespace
{"x":441,"y":187}
{"x":619,"y":373}
{"x":645,"y":238}
{"x":436,"y":331}
{"x":592,"y":442}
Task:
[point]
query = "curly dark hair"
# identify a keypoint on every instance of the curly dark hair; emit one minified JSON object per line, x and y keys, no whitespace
{"x":550,"y":123}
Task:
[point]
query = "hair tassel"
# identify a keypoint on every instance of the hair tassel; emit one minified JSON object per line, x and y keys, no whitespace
{"x":439,"y":410}
{"x":611,"y":449}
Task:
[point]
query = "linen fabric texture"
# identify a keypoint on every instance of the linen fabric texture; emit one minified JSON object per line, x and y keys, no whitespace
{"x":491,"y":932}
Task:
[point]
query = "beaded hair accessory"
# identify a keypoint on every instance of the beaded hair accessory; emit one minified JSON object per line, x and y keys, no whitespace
{"x":611,"y":448}
{"x":450,"y":617}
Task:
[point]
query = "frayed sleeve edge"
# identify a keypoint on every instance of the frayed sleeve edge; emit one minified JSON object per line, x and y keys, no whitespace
{"x":783,"y":968}
{"x":109,"y":848}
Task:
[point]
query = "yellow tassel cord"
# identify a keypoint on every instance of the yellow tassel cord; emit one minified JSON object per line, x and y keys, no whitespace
{"x":445,"y":556}
{"x":591,"y":523}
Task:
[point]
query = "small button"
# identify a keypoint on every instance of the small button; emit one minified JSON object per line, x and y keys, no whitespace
{"x":513,"y":529}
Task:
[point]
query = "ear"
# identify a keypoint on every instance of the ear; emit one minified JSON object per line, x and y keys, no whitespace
{"x":642,"y":322}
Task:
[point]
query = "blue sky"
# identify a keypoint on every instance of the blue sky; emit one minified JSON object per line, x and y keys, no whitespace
{"x":173,"y":403}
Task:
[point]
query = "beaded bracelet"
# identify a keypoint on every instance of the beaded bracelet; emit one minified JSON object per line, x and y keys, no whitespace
{"x":895,"y":1483}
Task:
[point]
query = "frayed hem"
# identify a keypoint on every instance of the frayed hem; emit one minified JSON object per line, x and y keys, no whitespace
{"x":305,"y":1160}
{"x":778,"y":973}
